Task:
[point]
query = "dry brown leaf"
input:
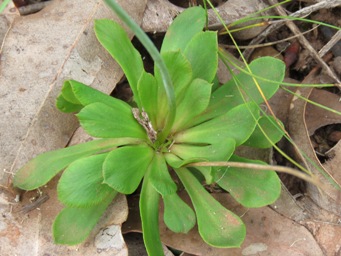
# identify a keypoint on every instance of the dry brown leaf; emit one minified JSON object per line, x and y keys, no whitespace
{"x":36,"y":60}
{"x":317,"y":117}
{"x":268,"y":233}
{"x":40,"y":51}
{"x":329,"y":198}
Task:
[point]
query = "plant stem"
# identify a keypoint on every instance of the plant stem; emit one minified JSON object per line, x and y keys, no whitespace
{"x":154,"y":53}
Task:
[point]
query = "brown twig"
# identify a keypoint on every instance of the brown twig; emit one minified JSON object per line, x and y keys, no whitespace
{"x":305,"y":43}
{"x":299,"y":14}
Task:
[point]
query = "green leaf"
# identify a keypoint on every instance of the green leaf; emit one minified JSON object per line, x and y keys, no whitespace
{"x":116,"y":41}
{"x":81,"y":184}
{"x":44,"y":167}
{"x":73,"y":225}
{"x":272,"y":130}
{"x":217,"y":226}
{"x":251,"y":188}
{"x":67,"y":107}
{"x":195,"y":100}
{"x":68,"y":94}
{"x":202,"y":53}
{"x":124,"y":168}
{"x":148,"y":91}
{"x":176,"y":162}
{"x":160,"y":177}
{"x":187,"y":24}
{"x":180,"y":71}
{"x":75,"y":95}
{"x":242,"y":87}
{"x":101,"y":120}
{"x":214,"y":152}
{"x":149,"y":211}
{"x":178,"y":216}
{"x":238,"y":124}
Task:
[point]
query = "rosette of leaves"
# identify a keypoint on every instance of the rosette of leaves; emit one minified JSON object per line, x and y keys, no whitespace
{"x":211,"y":121}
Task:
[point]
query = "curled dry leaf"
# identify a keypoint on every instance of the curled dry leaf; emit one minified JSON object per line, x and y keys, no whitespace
{"x":40,"y":51}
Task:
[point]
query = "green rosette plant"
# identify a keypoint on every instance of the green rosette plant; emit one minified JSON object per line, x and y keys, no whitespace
{"x":144,"y":144}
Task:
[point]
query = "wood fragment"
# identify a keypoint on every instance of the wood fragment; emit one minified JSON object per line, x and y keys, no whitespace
{"x":35,"y":204}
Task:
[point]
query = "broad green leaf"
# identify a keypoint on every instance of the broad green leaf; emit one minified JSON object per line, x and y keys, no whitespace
{"x":202,"y":53}
{"x":180,"y":71}
{"x":251,"y":188}
{"x":214,"y":152}
{"x":148,"y":93}
{"x":124,"y":168}
{"x":103,"y":121}
{"x":272,"y":130}
{"x":116,"y":41}
{"x":73,"y":225}
{"x":187,"y":24}
{"x":178,"y":216}
{"x":44,"y":167}
{"x":160,"y":177}
{"x":238,"y":124}
{"x":149,"y":211}
{"x":75,"y":95}
{"x":242,"y":87}
{"x":67,"y":107}
{"x":195,"y":100}
{"x":67,"y":92}
{"x":81,"y":184}
{"x":217,"y":226}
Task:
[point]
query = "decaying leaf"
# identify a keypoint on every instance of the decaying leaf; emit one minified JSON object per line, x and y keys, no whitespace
{"x":268,"y":233}
{"x":40,"y":51}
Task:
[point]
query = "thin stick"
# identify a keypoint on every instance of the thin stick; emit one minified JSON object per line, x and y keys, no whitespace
{"x":269,"y":43}
{"x":276,"y":168}
{"x":333,"y":41}
{"x":294,"y":29}
{"x":300,"y":13}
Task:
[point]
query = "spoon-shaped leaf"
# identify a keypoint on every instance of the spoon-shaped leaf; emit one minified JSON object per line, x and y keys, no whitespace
{"x":116,"y":41}
{"x":103,"y":121}
{"x":124,"y":168}
{"x":217,"y":226}
{"x":178,"y":216}
{"x":195,"y":101}
{"x":238,"y":123}
{"x":273,"y":131}
{"x":75,"y":95}
{"x":180,"y":72}
{"x":81,"y":184}
{"x":251,"y":188}
{"x":243,"y":88}
{"x":73,"y":225}
{"x":149,"y":211}
{"x":202,"y":53}
{"x":159,"y":176}
{"x":44,"y":167}
{"x":187,"y":24}
{"x":148,"y":92}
